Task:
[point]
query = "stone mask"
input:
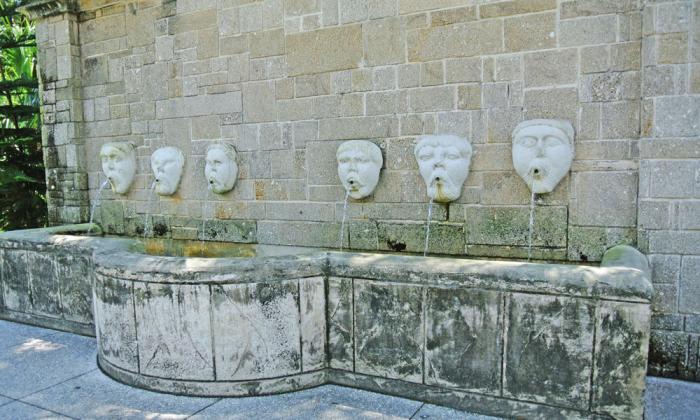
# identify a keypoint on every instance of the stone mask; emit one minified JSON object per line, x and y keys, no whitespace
{"x":542,"y":153}
{"x":444,"y":165}
{"x":119,"y":165}
{"x":359,"y":163}
{"x":220,"y":168}
{"x":167,"y":164}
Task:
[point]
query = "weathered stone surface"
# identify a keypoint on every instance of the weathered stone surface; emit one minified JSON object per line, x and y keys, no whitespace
{"x":115,"y":322}
{"x":44,"y":284}
{"x":312,"y":302}
{"x":389,"y":330}
{"x":622,"y":337}
{"x":384,"y":42}
{"x":16,"y":280}
{"x":463,"y":339}
{"x":605,"y":199}
{"x":530,"y":32}
{"x":445,"y":238}
{"x":319,"y":51}
{"x":174,"y":331}
{"x":457,"y":40}
{"x":230,"y":231}
{"x":75,"y":276}
{"x":340,"y":320}
{"x":510,"y":226}
{"x":548,"y":349}
{"x":257,"y":330}
{"x":589,"y":243}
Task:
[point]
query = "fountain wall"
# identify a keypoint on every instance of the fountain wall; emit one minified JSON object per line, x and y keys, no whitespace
{"x":286,"y":82}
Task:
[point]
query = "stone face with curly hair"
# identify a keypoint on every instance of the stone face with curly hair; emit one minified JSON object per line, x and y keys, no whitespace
{"x":167,"y":164}
{"x":221,"y":168}
{"x":119,"y":165}
{"x":359,"y":164}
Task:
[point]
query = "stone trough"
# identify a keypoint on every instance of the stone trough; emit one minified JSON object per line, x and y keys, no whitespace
{"x":497,"y":337}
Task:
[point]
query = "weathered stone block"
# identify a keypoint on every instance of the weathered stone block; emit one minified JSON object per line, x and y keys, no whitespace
{"x":515,"y":7}
{"x":257,"y":330}
{"x":195,"y":106}
{"x":589,"y":243}
{"x":312,"y":303}
{"x":384,"y":42}
{"x":45,"y":291}
{"x":677,"y":116}
{"x":174,"y":331}
{"x":689,"y":301}
{"x":431,"y":99}
{"x":115,"y":322}
{"x":530,"y":32}
{"x":440,"y":42}
{"x":549,"y":345}
{"x":668,"y":351}
{"x":229,"y":231}
{"x":463,"y":339}
{"x":510,"y":226}
{"x":546,"y":68}
{"x":389,"y":330}
{"x":445,"y":238}
{"x":622,"y":340}
{"x":341,"y":345}
{"x":588,"y":30}
{"x":606,"y":199}
{"x":559,"y":103}
{"x":266,"y":43}
{"x":324,"y":50}
{"x":316,"y":234}
{"x":16,"y":280}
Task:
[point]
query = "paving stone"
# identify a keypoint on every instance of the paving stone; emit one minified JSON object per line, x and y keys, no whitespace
{"x":435,"y":412}
{"x":325,"y":402}
{"x":39,"y":363}
{"x":20,"y":410}
{"x":12,"y":333}
{"x":95,"y":395}
{"x":669,"y":399}
{"x":4,"y":400}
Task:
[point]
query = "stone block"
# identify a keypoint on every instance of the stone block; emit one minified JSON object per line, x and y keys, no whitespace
{"x":469,"y":96}
{"x":384,"y":42}
{"x":174,"y":331}
{"x":259,"y":102}
{"x":452,"y":16}
{"x":549,"y":347}
{"x":611,"y":86}
{"x":668,"y":351}
{"x":320,"y":51}
{"x":673,"y":17}
{"x":672,"y":178}
{"x":267,"y":43}
{"x":432,"y":73}
{"x":301,"y":7}
{"x":689,"y":215}
{"x":412,"y":6}
{"x":462,"y":70}
{"x":561,"y":103}
{"x":201,"y":105}
{"x":445,"y":238}
{"x":588,"y":30}
{"x":340,"y":323}
{"x":251,"y":17}
{"x":620,"y":120}
{"x":654,"y":214}
{"x":555,"y":67}
{"x":16,"y":281}
{"x":674,"y":242}
{"x":689,"y":301}
{"x":45,"y":290}
{"x":509,"y":226}
{"x":257,"y":330}
{"x":589,"y":243}
{"x":677,"y":116}
{"x":315,"y":234}
{"x":353,"y":10}
{"x":74,"y":274}
{"x":530,"y":32}
{"x":192,"y":21}
{"x":620,"y":363}
{"x":312,"y":303}
{"x":463,"y":339}
{"x":431,"y":99}
{"x":229,"y":231}
{"x":665,"y":268}
{"x":605,"y":199}
{"x":389,"y":330}
{"x":363,"y":235}
{"x":362,"y":127}
{"x":581,"y":8}
{"x":515,"y":7}
{"x":440,"y":42}
{"x":115,"y":322}
{"x":112,"y":217}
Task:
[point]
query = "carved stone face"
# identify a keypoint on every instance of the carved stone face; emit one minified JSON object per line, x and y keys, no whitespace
{"x":444,"y":165}
{"x":221,"y":169}
{"x":167,"y":164}
{"x":359,"y":163}
{"x":542,"y":153}
{"x":119,"y":165}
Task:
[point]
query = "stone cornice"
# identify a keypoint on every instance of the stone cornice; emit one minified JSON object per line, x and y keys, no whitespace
{"x":41,"y":9}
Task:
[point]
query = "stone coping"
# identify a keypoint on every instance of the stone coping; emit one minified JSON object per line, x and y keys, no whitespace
{"x":114,"y":257}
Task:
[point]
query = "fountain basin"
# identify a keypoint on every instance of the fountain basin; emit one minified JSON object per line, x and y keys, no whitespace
{"x":497,"y":337}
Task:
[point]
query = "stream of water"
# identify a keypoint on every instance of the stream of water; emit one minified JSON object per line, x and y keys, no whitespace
{"x":342,"y":224}
{"x":146,"y":218}
{"x":96,"y":203}
{"x":427,"y":227}
{"x":532,"y":225}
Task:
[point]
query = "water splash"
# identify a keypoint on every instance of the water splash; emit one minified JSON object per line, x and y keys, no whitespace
{"x":204,"y":219}
{"x":342,"y":224}
{"x":427,"y":227}
{"x":532,"y":224}
{"x":96,"y":203}
{"x":146,"y":219}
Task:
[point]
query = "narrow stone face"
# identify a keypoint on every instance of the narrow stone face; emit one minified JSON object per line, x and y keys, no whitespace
{"x":115,"y":323}
{"x":463,"y":339}
{"x":257,"y":330}
{"x":549,"y":348}
{"x":622,"y":338}
{"x":312,"y":303}
{"x":174,"y":331}
{"x":389,"y":330}
{"x":340,"y":323}
{"x":74,"y":274}
{"x":15,"y":277}
{"x":44,"y":284}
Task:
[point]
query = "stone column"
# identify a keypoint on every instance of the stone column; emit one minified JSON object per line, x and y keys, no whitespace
{"x":61,"y":109}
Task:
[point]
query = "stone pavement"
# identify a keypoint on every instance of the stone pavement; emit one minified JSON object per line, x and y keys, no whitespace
{"x":45,"y":374}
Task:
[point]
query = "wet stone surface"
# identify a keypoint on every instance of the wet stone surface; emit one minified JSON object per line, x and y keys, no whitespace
{"x":44,"y":284}
{"x":15,"y":278}
{"x":389,"y":330}
{"x":115,"y":322}
{"x":340,"y":323}
{"x":74,"y":276}
{"x":464,"y":339}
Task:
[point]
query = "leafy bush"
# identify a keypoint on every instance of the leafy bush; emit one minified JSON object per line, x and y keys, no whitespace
{"x":22,"y":187}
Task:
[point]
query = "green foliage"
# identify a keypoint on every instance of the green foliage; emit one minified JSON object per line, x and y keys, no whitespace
{"x":22,"y":188}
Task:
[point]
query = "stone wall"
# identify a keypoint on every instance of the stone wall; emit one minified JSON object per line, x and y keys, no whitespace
{"x":285,"y":81}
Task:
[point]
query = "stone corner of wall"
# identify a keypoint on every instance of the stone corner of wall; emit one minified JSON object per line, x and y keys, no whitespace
{"x":42,"y":9}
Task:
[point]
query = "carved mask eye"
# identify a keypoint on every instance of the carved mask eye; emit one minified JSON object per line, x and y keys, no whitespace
{"x":527,"y":141}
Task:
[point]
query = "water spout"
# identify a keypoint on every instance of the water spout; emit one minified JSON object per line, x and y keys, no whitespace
{"x":96,"y":203}
{"x":427,"y":227}
{"x":342,"y":224}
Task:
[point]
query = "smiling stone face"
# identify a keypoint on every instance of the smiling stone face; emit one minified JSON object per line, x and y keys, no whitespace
{"x":359,"y":163}
{"x":167,"y":164}
{"x":119,"y":165}
{"x":444,"y":165}
{"x":542,"y":153}
{"x":221,"y":169}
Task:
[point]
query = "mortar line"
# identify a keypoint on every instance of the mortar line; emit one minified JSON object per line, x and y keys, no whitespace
{"x":56,"y":384}
{"x":46,"y":409}
{"x":218,"y":400}
{"x":417,"y":411}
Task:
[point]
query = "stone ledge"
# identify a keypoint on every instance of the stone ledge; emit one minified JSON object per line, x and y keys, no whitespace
{"x":42,"y":9}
